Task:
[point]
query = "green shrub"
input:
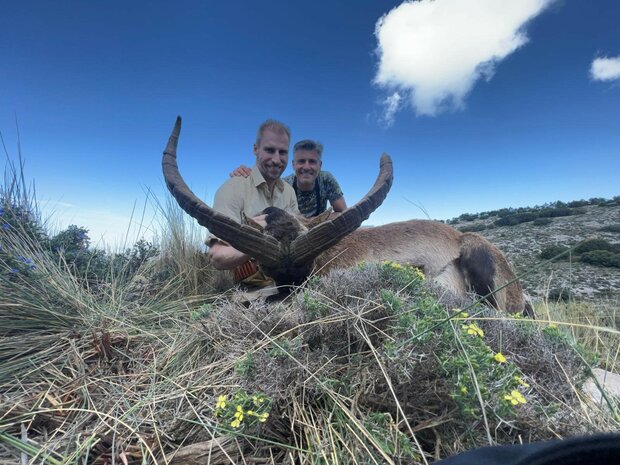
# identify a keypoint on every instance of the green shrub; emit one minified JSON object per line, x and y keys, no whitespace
{"x":468,"y":217}
{"x":473,"y":228}
{"x":553,"y":252}
{"x":71,"y":245}
{"x":96,"y":266}
{"x":601,"y":258}
{"x":516,"y":219}
{"x":590,"y":245}
{"x":559,"y":211}
{"x":502,"y":213}
{"x":21,"y":219}
{"x":559,"y":294}
{"x":578,"y":203}
{"x":542,"y":221}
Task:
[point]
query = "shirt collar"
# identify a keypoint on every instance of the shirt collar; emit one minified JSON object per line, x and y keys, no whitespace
{"x":258,"y":179}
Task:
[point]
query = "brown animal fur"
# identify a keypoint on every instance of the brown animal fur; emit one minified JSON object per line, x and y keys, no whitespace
{"x":460,"y":262}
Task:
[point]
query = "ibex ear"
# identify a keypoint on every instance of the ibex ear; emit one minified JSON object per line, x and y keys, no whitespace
{"x":250,"y":222}
{"x":316,"y":220}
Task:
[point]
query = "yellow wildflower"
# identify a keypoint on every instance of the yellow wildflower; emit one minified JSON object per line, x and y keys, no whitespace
{"x":263,"y":417}
{"x":221,"y":402}
{"x":552,"y":325}
{"x":235,"y":423}
{"x":461,"y":314}
{"x":464,"y":389}
{"x":519,"y":380}
{"x":419,"y":273}
{"x":515,"y":398}
{"x":474,"y":330}
{"x":257,"y":400}
{"x":499,"y":357}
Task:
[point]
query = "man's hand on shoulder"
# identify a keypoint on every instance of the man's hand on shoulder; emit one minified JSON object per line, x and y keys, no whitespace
{"x":242,"y":170}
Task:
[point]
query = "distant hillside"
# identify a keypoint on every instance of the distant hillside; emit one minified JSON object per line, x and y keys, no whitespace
{"x":522,"y":234}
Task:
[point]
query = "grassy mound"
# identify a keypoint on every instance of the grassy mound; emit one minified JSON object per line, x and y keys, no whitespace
{"x":365,"y":365}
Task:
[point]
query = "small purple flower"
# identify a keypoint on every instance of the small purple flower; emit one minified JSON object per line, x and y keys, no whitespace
{"x":14,"y":270}
{"x":1,"y":211}
{"x":6,"y":226}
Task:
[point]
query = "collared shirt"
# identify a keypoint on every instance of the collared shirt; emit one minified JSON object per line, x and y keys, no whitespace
{"x":251,"y":195}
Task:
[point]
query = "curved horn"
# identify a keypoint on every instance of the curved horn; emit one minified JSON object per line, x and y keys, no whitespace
{"x":309,"y":245}
{"x":248,"y":240}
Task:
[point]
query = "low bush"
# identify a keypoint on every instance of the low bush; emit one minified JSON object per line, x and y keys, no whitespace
{"x":601,"y":258}
{"x":473,"y":228}
{"x":554,"y":252}
{"x":578,"y":203}
{"x":542,"y":221}
{"x":468,"y":217}
{"x":590,"y":245}
{"x":527,"y":215}
{"x":559,"y":294}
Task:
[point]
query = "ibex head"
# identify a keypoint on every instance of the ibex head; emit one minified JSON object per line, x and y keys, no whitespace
{"x":286,"y":249}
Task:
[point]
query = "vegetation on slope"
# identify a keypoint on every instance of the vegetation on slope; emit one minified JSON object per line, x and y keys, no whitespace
{"x":151,"y":364}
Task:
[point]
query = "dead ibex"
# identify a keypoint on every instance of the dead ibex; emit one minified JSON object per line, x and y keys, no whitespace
{"x":289,"y":249}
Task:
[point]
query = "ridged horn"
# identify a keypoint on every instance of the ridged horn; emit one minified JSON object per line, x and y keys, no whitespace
{"x":308,"y":246}
{"x":244,"y":238}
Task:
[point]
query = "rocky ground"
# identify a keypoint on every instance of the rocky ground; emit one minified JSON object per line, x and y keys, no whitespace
{"x":522,"y":245}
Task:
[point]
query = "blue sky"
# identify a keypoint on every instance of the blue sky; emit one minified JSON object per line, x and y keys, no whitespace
{"x":494,"y":103}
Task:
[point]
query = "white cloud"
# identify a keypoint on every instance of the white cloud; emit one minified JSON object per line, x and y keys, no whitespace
{"x":391,"y":105}
{"x":605,"y":69}
{"x":433,"y":51}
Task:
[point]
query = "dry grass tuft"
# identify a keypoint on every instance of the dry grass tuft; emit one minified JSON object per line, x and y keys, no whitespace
{"x":363,"y":365}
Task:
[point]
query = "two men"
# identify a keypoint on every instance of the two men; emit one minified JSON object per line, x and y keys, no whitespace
{"x":252,"y":190}
{"x":313,"y":187}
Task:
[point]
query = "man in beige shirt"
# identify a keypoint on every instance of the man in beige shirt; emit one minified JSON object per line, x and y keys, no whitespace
{"x":251,"y":195}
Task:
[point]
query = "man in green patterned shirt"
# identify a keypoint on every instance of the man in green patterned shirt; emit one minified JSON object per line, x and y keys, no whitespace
{"x":313,"y":187}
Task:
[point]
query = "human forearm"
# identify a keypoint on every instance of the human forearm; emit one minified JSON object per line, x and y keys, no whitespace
{"x":339,"y":205}
{"x":225,"y":257}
